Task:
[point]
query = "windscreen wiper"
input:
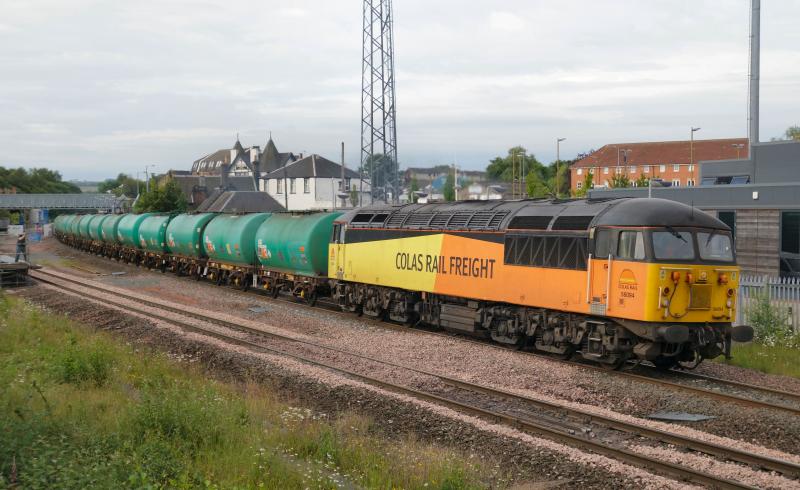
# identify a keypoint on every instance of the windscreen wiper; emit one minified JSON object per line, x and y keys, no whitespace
{"x":676,"y":234}
{"x":710,"y":236}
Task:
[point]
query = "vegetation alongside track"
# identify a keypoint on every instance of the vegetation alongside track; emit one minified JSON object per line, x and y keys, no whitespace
{"x":776,"y":347}
{"x":78,"y":410}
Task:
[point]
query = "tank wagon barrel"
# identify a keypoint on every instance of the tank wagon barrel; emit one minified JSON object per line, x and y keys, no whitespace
{"x":185,"y":242}
{"x":152,"y":238}
{"x":128,"y":236}
{"x":229,"y":242}
{"x":292,"y":251}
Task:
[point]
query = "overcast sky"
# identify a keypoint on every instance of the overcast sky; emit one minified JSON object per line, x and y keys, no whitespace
{"x":92,"y":88}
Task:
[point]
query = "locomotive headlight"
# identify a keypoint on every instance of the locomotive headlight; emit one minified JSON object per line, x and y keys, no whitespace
{"x":665,"y":291}
{"x":665,"y":302}
{"x":676,"y":276}
{"x":723,"y":278}
{"x":689,"y":278}
{"x":730,"y":292}
{"x":729,"y":303}
{"x":703,"y":276}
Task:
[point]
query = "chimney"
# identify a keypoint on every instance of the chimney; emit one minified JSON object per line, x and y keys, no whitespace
{"x":755,"y":52}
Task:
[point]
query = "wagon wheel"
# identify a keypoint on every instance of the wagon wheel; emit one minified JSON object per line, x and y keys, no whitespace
{"x":312,"y":297}
{"x":275,"y":290}
{"x":219,"y":278}
{"x":245,"y":285}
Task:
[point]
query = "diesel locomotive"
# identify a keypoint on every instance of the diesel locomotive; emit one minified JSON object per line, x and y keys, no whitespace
{"x":610,"y":280}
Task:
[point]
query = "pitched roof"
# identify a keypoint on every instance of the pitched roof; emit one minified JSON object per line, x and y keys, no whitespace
{"x":272,"y":159}
{"x":240,"y":202}
{"x":665,"y":152}
{"x":312,"y":166}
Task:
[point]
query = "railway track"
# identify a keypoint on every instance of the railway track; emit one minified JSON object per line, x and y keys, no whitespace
{"x":527,"y":422}
{"x":659,"y":379}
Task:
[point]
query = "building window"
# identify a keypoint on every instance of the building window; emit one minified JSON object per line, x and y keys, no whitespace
{"x":580,"y":171}
{"x":591,"y":170}
{"x":307,"y":185}
{"x":676,"y":182}
{"x":632,"y":169}
{"x":265,"y":185}
{"x":662,"y":168}
{"x":605,"y":170}
{"x":790,"y":232}
{"x":279,"y":186}
{"x":292,"y":186}
{"x":646,"y":169}
{"x":676,"y":167}
{"x":690,"y":182}
{"x":691,"y":168}
{"x":580,"y":185}
{"x":729,"y":218}
{"x":618,"y":170}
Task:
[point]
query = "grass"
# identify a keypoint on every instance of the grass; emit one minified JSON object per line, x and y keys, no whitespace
{"x":79,"y":409}
{"x":768,"y":359}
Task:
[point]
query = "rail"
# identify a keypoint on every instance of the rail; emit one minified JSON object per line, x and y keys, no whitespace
{"x":781,"y":466}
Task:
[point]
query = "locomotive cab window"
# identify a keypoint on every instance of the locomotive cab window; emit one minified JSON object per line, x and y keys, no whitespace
{"x":630,"y":245}
{"x":673,"y":245}
{"x":715,"y":246}
{"x":602,"y":243}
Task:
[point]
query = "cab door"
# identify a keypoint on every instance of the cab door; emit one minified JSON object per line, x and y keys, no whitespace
{"x":337,"y":252}
{"x":599,"y":268}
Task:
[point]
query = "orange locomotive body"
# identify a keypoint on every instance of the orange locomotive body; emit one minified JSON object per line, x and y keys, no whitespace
{"x":610,"y":279}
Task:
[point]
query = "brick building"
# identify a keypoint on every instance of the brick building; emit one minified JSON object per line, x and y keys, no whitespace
{"x":674,"y":162}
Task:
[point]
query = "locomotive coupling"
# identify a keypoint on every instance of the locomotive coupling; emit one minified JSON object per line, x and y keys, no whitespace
{"x":742,"y":333}
{"x":673,"y":334}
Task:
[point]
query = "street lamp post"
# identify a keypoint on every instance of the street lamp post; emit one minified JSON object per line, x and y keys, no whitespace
{"x":558,"y":163}
{"x":691,"y":146}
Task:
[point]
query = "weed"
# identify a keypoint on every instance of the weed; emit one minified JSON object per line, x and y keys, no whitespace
{"x":79,"y":410}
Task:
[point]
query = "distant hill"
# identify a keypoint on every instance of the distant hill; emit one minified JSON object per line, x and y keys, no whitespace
{"x":86,"y":185}
{"x":35,"y":181}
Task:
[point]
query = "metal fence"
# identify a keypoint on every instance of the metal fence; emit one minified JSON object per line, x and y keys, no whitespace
{"x":783,"y":292}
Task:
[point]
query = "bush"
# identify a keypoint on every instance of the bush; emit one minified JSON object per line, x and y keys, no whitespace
{"x":84,"y":364}
{"x":770,"y":322}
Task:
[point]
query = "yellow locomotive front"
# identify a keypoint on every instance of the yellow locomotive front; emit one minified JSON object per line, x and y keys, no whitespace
{"x":675,"y":286}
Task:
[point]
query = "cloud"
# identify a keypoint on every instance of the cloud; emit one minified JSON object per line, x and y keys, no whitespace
{"x":99,"y":87}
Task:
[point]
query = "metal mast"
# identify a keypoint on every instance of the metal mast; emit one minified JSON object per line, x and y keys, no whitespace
{"x":755,"y":71}
{"x":378,"y":118}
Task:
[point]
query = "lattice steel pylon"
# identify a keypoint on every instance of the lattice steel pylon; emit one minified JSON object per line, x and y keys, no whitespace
{"x":378,"y":115}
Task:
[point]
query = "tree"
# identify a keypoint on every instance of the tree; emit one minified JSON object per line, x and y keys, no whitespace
{"x":36,"y":181}
{"x":500,"y":167}
{"x":620,"y":180}
{"x":122,"y":185}
{"x":562,"y":168}
{"x":412,"y":191}
{"x":791,"y":133}
{"x":642,"y":181}
{"x":588,"y":182}
{"x":449,"y":189}
{"x":536,"y":186}
{"x":165,"y":198}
